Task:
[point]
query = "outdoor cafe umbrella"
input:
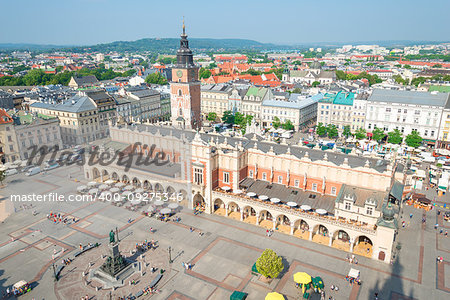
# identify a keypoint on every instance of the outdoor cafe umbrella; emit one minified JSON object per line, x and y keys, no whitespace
{"x":291,"y":204}
{"x":263,"y":197}
{"x":114,"y":190}
{"x":275,"y":200}
{"x":126,"y":193}
{"x":92,"y":183}
{"x":165,"y":211}
{"x":106,"y":195}
{"x":226,"y":188}
{"x":109,"y":181}
{"x":251,"y":194}
{"x":172,"y":206}
{"x":139,"y":191}
{"x":305,"y":207}
{"x":321,"y":211}
{"x":93,"y":191}
{"x":237,"y":191}
{"x":274,"y":296}
{"x":158,"y":203}
{"x":303,"y":279}
{"x":120,"y":184}
{"x":129,"y":188}
{"x":317,"y":282}
{"x":135,"y":201}
{"x":103,"y":187}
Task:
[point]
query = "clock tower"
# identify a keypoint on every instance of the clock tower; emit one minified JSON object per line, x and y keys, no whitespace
{"x":185,"y":88}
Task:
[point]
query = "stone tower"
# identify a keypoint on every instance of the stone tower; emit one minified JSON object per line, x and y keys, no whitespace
{"x":185,"y":88}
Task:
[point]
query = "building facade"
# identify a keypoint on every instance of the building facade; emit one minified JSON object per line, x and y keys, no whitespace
{"x":9,"y":149}
{"x":336,"y":110}
{"x":406,"y":111}
{"x":252,"y":102}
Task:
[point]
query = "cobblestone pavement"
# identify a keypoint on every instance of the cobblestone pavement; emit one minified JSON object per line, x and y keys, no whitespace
{"x":222,"y":255}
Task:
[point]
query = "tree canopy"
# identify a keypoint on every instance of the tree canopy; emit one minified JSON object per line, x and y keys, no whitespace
{"x":276,"y":123}
{"x":204,"y":73}
{"x":321,"y":130}
{"x":212,"y":116}
{"x":156,"y":78}
{"x":347,"y":131}
{"x":269,"y":264}
{"x":287,"y":125}
{"x":332,"y":131}
{"x":360,"y":134}
{"x":395,"y":137}
{"x":378,"y":134}
{"x":413,"y":139}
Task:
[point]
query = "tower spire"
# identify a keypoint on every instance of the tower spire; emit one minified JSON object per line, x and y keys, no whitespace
{"x":184,"y":27}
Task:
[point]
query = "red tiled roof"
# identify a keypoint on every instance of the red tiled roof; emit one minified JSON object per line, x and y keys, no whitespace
{"x":422,"y":63}
{"x":4,"y":117}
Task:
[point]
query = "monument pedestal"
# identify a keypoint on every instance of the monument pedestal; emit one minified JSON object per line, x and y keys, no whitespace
{"x":115,"y":269}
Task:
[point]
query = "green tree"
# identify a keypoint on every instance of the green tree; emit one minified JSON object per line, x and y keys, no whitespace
{"x":437,"y":66}
{"x":276,"y":123}
{"x":212,"y":65}
{"x":269,"y":264}
{"x":315,"y":83}
{"x":212,"y":116}
{"x":407,"y":66}
{"x":413,"y":139}
{"x":288,"y":125}
{"x":347,"y":131}
{"x":361,"y":134}
{"x":156,"y":78}
{"x":398,"y":79}
{"x":332,"y":131}
{"x":378,"y":134}
{"x":228,"y":117}
{"x":204,"y":73}
{"x":297,"y":90}
{"x":2,"y":176}
{"x":321,"y":130}
{"x":340,"y":75}
{"x":395,"y":137}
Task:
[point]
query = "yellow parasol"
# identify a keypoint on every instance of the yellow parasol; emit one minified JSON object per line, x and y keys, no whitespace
{"x":274,"y":296}
{"x":302,"y":278}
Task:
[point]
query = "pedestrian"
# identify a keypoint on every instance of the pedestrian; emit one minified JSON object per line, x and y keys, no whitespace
{"x":436,"y":226}
{"x":376,"y":296}
{"x":446,"y":233}
{"x":410,"y":216}
{"x":441,"y":231}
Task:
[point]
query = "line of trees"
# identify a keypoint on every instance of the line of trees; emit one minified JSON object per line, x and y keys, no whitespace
{"x":39,"y":77}
{"x":341,"y":75}
{"x":394,"y":137}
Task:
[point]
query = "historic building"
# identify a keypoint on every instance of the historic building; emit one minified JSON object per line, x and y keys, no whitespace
{"x":344,"y":201}
{"x":185,"y":88}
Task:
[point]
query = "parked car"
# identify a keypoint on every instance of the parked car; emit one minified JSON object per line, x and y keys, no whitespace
{"x":33,"y":171}
{"x":10,"y":172}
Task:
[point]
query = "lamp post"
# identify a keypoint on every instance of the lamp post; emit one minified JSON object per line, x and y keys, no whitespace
{"x":169,"y":250}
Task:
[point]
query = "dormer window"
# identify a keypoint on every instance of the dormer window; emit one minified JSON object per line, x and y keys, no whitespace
{"x":369,"y":210}
{"x":348,"y":206}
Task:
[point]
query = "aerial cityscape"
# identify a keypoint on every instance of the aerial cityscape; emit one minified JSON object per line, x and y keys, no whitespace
{"x":192,"y":161}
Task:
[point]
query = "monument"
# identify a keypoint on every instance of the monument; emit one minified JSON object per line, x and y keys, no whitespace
{"x":116,"y":268}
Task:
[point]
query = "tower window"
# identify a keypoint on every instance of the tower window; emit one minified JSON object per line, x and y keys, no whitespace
{"x":180,"y":93}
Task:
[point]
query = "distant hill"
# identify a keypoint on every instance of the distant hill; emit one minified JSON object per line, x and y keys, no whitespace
{"x":170,"y":44}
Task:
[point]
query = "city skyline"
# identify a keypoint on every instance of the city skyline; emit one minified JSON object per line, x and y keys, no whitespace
{"x":89,"y":22}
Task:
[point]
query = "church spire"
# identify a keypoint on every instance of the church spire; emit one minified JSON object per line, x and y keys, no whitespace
{"x":184,"y":27}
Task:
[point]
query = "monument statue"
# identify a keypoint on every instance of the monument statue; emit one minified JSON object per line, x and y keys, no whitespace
{"x":112,"y":236}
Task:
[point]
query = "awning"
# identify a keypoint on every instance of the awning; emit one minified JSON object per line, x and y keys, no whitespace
{"x":353,"y":273}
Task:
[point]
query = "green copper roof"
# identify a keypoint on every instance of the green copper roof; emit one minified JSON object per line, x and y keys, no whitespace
{"x":440,"y":88}
{"x":344,"y":98}
{"x":257,"y":92}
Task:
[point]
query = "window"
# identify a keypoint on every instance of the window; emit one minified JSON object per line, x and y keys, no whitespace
{"x":399,"y":110}
{"x":198,"y":175}
{"x":369,"y":126}
{"x":348,"y":206}
{"x":417,"y":112}
{"x":432,"y":132}
{"x":9,"y":138}
{"x":296,"y":183}
{"x":314,"y":187}
{"x":280,"y":179}
{"x":180,"y":93}
{"x":226,"y":177}
{"x":369,"y":211}
{"x":264,"y":176}
{"x":388,"y":109}
{"x":333,"y":191}
{"x":250,"y":174}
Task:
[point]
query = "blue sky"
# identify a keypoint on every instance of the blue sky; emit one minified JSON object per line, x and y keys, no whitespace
{"x":85,"y":22}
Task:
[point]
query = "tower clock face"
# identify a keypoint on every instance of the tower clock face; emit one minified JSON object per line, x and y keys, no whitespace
{"x":179,"y":73}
